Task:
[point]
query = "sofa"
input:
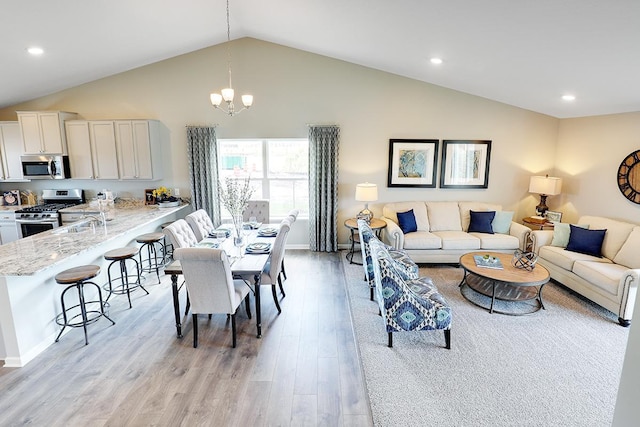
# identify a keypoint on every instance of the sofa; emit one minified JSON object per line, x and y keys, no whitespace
{"x":442,"y":230}
{"x":607,"y":274}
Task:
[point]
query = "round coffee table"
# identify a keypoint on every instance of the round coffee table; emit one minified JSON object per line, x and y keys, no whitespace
{"x":506,"y":284}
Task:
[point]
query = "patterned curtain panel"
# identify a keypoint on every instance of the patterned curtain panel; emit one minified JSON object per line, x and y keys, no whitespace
{"x":202,"y":147}
{"x":323,"y":188}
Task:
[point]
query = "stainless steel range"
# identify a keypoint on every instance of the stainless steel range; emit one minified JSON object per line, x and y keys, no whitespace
{"x":36,"y":219}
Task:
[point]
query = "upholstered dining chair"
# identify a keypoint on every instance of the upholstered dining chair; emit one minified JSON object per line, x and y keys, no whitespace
{"x":180,"y":234}
{"x":257,"y":208}
{"x":405,"y":264}
{"x":200,"y":223}
{"x":407,"y":304}
{"x":291,"y":217}
{"x":271,"y":273}
{"x":211,"y":287}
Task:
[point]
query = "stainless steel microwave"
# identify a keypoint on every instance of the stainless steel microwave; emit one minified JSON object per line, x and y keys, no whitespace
{"x":45,"y":166}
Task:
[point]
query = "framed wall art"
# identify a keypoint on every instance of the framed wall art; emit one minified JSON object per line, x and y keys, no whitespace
{"x":412,"y":163}
{"x":465,"y":164}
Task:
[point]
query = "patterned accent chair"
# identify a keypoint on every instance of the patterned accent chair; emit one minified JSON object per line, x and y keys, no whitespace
{"x":405,"y":264}
{"x":407,"y":305}
{"x":257,"y":208}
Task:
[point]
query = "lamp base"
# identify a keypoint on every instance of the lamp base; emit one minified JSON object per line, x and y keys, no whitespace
{"x":542,"y":208}
{"x":365,"y":214}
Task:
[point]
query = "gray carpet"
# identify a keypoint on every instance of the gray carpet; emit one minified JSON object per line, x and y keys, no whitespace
{"x":557,"y":367}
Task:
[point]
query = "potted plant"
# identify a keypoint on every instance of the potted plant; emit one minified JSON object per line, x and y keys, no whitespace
{"x":164,"y":198}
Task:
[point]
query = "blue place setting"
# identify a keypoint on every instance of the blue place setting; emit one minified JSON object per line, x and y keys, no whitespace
{"x":268,"y":232}
{"x":258,"y":248}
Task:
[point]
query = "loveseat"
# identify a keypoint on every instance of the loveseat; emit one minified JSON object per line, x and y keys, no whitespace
{"x":442,"y":230}
{"x":606,"y":271}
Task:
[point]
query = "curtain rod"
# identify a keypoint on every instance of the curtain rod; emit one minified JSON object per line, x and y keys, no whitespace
{"x":202,"y":126}
{"x":323,"y":126}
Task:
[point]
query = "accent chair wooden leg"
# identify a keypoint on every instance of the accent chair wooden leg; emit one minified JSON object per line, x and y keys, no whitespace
{"x":447,"y":338}
{"x":390,"y":344}
{"x":233,"y":328}
{"x":195,"y":330}
{"x":281,"y":287}
{"x":284,"y":273}
{"x":623,"y":322}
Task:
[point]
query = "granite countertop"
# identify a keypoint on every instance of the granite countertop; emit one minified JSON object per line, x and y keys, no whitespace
{"x":13,"y":208}
{"x":33,"y":254}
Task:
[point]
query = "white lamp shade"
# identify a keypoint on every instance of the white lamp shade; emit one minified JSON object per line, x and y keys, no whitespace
{"x":216,"y":99}
{"x":247,"y":100}
{"x":547,"y":185}
{"x":227,"y":94}
{"x":366,"y":192}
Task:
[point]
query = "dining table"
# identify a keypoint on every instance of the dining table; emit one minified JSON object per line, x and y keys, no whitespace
{"x":243,"y":265}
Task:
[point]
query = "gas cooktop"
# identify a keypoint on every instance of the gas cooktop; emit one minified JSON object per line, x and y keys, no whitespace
{"x":45,"y":208}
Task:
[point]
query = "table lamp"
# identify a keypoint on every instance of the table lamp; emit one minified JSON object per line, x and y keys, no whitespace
{"x":366,"y":192}
{"x":544,"y":186}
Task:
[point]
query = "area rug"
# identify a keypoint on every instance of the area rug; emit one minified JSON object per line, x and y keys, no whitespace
{"x":557,"y":367}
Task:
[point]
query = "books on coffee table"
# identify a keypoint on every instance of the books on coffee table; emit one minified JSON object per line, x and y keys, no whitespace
{"x":488,"y":262}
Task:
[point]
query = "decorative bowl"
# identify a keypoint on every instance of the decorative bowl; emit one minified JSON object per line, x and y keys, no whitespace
{"x":168,"y":204}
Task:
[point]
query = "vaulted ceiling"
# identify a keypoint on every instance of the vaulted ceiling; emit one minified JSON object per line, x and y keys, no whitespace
{"x":523,"y":53}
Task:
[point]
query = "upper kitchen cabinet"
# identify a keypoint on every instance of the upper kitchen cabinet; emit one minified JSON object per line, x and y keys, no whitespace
{"x":43,"y":131}
{"x":92,"y":149}
{"x":10,"y":151}
{"x":139,"y":149}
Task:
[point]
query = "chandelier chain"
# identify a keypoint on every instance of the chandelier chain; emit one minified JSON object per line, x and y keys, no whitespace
{"x":229,"y":44}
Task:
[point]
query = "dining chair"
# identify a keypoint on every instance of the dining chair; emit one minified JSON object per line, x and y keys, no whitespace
{"x":180,"y":234}
{"x":211,"y":287}
{"x":201,"y":224}
{"x":258,"y":209}
{"x":271,"y":272}
{"x":292,"y":215}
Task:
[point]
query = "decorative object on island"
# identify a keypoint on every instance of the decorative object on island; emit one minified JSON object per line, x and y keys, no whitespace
{"x":524,"y":260}
{"x":164,"y":198}
{"x":629,"y":177}
{"x":544,"y":186}
{"x":366,"y":192}
{"x":234,"y":196}
{"x":412,"y":163}
{"x":228,"y":93}
{"x":465,"y":164}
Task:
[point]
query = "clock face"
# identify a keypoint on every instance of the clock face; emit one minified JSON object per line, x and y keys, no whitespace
{"x":629,"y":177}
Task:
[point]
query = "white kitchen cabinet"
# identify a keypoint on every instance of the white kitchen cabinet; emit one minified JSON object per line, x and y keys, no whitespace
{"x":43,"y":131}
{"x":92,"y":149}
{"x":139,"y":149}
{"x":8,"y":230}
{"x":10,"y":151}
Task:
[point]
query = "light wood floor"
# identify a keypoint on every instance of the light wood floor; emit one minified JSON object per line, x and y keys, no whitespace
{"x":303,"y":371}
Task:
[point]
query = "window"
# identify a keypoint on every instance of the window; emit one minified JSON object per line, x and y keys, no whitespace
{"x":278,"y":170}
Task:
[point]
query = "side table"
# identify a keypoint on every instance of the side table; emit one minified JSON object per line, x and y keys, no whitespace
{"x":535,"y":224}
{"x":352,"y":224}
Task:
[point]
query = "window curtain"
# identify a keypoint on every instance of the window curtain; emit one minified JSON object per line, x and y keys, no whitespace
{"x":323,"y":188}
{"x":202,"y":147}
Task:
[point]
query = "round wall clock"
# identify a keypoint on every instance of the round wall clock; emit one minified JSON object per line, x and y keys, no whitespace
{"x":629,"y":177}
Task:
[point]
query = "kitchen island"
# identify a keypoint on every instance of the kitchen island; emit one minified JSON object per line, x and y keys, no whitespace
{"x":29,"y":295}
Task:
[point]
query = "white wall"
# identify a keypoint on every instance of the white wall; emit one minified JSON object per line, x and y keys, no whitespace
{"x":590,"y":150}
{"x":293,"y":88}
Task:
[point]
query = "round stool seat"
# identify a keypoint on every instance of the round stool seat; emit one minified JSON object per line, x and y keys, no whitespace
{"x":120,"y":253}
{"x":150,"y":237}
{"x":77,"y":274}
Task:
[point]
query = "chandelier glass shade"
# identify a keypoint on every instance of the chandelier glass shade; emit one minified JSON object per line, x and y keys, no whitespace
{"x":228,"y":93}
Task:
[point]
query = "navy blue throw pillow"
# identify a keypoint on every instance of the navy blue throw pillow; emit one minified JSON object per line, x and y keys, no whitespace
{"x":407,"y":221}
{"x":585,"y":241}
{"x":481,"y":222}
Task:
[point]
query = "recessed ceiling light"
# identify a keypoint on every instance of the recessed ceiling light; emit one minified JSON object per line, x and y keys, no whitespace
{"x":436,"y":61}
{"x":35,"y":51}
{"x":568,"y":97}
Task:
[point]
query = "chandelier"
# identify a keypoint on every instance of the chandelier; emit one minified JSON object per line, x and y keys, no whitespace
{"x":227,"y":94}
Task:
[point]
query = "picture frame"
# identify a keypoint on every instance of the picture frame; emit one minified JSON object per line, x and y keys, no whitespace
{"x":553,"y":216}
{"x":149,"y":198}
{"x":465,"y":164}
{"x":412,"y":163}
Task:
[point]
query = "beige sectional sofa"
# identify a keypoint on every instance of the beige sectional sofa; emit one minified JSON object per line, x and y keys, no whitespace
{"x":442,"y":231}
{"x":610,"y":281}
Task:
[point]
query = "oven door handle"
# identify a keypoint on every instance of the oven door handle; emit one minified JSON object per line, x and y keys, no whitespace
{"x":37,"y":221}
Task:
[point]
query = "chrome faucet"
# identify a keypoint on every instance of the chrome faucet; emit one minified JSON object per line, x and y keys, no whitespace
{"x":102,"y":220}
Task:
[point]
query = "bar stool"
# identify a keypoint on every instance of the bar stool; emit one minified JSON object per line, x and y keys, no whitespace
{"x":168,"y":247}
{"x":77,"y":278}
{"x":121,"y":255}
{"x":154,"y":260}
